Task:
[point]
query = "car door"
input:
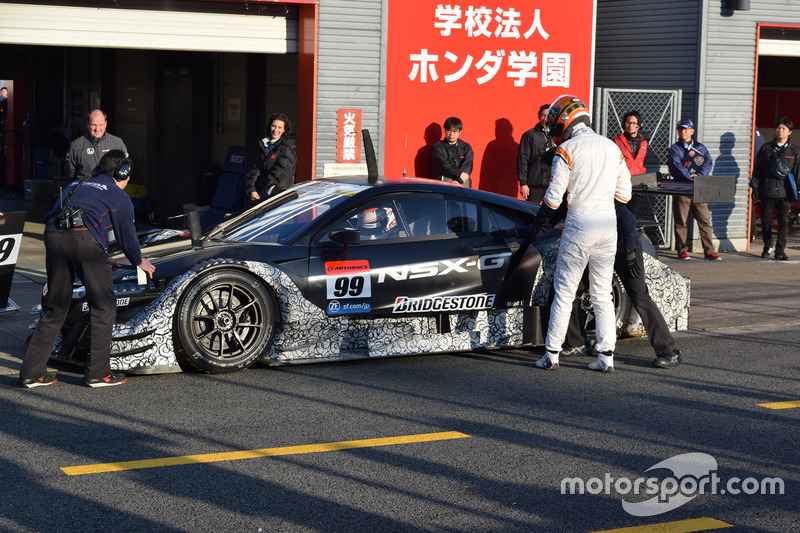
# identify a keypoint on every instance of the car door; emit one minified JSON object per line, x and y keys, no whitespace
{"x":419,"y":253}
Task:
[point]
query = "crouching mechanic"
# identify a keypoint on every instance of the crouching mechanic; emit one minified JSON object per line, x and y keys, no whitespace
{"x":592,"y":172}
{"x":75,"y":238}
{"x":629,"y":266}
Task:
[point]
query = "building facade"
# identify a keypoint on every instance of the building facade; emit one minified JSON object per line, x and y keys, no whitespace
{"x":736,"y":69}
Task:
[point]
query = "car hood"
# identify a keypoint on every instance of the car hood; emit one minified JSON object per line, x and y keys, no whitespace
{"x":172,"y":253}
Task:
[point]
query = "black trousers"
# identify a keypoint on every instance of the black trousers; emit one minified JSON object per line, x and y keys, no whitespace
{"x":654,"y":324}
{"x":70,"y":253}
{"x":768,"y":207}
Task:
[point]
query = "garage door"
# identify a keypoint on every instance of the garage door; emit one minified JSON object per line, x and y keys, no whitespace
{"x":779,"y":41}
{"x":146,"y":29}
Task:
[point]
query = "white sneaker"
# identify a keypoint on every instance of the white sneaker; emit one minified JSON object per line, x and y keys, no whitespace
{"x":549,"y":361}
{"x":604,"y":363}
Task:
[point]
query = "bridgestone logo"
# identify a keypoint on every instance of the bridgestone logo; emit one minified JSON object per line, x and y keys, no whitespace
{"x":404,"y":304}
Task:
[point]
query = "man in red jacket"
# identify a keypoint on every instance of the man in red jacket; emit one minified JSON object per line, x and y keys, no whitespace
{"x":632,"y":144}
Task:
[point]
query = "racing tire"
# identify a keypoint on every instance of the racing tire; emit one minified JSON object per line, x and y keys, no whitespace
{"x":225,"y":322}
{"x":622,"y":307}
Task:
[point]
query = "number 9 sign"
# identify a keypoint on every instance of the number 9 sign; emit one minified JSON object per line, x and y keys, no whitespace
{"x":11,"y":226}
{"x":9,"y":249}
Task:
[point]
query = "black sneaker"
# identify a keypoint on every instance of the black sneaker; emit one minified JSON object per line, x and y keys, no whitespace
{"x":29,"y":383}
{"x":108,"y":381}
{"x":780,"y":256}
{"x":569,"y":351}
{"x":768,"y":249}
{"x":668,"y":360}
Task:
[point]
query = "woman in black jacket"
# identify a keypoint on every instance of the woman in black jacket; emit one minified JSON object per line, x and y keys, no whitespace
{"x":274,"y":168}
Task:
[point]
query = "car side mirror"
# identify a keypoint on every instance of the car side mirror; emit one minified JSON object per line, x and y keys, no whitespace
{"x":345,"y":236}
{"x":192,"y":218}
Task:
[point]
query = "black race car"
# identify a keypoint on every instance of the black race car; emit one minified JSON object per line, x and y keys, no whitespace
{"x":344,"y":268}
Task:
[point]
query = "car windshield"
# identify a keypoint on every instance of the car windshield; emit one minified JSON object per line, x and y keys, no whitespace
{"x":286,"y":214}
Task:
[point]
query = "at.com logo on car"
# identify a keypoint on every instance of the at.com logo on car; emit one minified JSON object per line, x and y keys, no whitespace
{"x":693,"y":474}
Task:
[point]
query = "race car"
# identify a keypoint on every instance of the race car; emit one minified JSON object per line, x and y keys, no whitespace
{"x":344,"y":268}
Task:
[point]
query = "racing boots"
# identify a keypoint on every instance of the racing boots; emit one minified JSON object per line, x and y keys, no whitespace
{"x":604,"y":363}
{"x":549,"y":361}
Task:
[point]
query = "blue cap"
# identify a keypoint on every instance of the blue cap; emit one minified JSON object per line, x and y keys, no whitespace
{"x":685,"y":123}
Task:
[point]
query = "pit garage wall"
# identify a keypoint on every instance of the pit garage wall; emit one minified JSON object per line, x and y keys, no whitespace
{"x":708,"y":51}
{"x":350,"y":40}
{"x":727,"y":96}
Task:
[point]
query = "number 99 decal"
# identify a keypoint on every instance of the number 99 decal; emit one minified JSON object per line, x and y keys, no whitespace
{"x":348,"y":279}
{"x":348,"y":286}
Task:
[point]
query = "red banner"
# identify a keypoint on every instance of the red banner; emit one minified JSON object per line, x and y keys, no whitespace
{"x":348,"y":138}
{"x":491,"y":65}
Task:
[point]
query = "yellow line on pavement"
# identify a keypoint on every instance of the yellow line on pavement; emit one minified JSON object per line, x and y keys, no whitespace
{"x":780,"y":405}
{"x":264,"y":452}
{"x":681,"y":526}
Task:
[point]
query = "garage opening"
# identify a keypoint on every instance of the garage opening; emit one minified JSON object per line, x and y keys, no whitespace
{"x":180,"y":87}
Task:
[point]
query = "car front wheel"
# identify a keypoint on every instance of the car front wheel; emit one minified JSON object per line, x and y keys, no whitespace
{"x":225,"y":322}
{"x":622,"y":306}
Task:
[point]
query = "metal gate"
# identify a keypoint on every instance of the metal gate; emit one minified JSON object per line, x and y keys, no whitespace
{"x":660,"y":112}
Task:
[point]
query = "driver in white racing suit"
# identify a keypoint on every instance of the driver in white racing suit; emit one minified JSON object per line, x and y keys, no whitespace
{"x":592,"y":172}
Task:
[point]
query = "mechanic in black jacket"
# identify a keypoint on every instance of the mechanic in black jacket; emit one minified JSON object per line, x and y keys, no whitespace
{"x":452,"y":157}
{"x":532,"y":172}
{"x":274,"y":167}
{"x":775,"y":162}
{"x":75,"y":238}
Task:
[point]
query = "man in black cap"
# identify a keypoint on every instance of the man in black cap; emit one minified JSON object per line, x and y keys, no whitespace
{"x":75,"y":238}
{"x":686,"y":160}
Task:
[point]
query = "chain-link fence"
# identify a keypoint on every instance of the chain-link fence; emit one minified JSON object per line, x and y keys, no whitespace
{"x":660,"y":112}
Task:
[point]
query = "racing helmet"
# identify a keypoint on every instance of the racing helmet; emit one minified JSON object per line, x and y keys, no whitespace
{"x":375,"y":222}
{"x":566,"y":112}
